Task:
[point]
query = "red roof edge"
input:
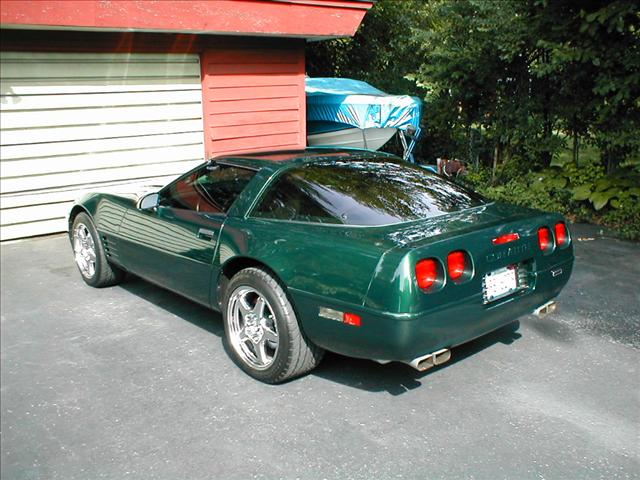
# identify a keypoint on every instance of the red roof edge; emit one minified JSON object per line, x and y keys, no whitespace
{"x":312,"y":19}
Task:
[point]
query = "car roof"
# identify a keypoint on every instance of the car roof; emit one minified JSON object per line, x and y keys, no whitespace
{"x":277,"y":160}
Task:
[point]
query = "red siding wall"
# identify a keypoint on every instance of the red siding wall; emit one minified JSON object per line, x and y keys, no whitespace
{"x":253,"y":99}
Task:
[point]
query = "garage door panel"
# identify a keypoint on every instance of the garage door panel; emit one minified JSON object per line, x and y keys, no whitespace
{"x":30,"y":229}
{"x":87,"y":132}
{"x":59,"y":57}
{"x":73,"y":123}
{"x":54,"y":149}
{"x":16,"y":88}
{"x":98,"y":116}
{"x":41,"y":102}
{"x":35,"y":213}
{"x":86,"y":69}
{"x":69,"y":193}
{"x":40,"y":182}
{"x":93,"y":161}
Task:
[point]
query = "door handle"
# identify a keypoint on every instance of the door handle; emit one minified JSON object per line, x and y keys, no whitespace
{"x":206,"y":234}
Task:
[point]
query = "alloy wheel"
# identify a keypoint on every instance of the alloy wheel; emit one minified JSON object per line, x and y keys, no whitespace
{"x":252,"y":328}
{"x":84,"y":250}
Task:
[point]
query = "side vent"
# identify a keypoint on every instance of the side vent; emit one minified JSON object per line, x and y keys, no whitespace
{"x":110,"y":249}
{"x":106,"y":245}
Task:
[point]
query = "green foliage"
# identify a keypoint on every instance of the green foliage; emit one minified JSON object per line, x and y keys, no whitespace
{"x":542,"y":190}
{"x":615,"y":191}
{"x":378,"y":53}
{"x":582,"y":194}
{"x":625,"y":220}
{"x":588,"y":182}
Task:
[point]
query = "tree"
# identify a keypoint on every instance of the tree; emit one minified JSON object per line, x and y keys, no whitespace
{"x":502,"y":79}
{"x":593,"y":61}
{"x":379,"y":52}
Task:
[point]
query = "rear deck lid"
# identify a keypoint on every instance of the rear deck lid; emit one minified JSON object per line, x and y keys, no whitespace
{"x":491,"y":238}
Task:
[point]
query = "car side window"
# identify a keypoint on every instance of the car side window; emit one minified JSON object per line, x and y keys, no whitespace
{"x":210,"y":189}
{"x":294,"y":198}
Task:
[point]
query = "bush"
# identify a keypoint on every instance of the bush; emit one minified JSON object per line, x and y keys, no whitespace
{"x":582,"y":194}
{"x":624,"y":220}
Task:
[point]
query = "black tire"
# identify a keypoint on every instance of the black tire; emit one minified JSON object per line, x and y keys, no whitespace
{"x":295,"y":354}
{"x":103,"y":274}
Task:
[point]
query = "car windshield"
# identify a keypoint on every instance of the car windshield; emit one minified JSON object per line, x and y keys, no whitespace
{"x":371,"y":191}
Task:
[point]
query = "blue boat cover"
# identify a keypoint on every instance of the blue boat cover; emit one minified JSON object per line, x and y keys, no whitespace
{"x":353,"y":103}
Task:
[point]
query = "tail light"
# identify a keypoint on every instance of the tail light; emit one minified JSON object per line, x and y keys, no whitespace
{"x":545,"y":241}
{"x":562,"y":236}
{"x":427,"y":273}
{"x":456,"y":264}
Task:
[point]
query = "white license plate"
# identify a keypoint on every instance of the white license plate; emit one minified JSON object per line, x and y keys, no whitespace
{"x":500,"y":283}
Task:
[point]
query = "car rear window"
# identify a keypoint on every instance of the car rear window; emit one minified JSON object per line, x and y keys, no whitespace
{"x":362,"y":192}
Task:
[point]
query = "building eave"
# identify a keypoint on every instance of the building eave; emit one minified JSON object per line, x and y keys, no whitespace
{"x":309,"y":19}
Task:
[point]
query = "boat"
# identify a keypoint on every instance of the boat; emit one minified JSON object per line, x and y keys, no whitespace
{"x":343,"y":112}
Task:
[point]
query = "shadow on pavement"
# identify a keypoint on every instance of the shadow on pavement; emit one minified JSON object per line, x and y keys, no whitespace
{"x":175,"y":304}
{"x":552,"y":328}
{"x":394,"y":378}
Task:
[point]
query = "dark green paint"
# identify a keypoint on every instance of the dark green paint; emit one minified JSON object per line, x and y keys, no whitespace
{"x":365,"y":270}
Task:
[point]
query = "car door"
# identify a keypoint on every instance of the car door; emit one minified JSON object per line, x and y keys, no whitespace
{"x":174,"y":244}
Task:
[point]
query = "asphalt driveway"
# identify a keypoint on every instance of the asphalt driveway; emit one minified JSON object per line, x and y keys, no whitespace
{"x":133,"y":382}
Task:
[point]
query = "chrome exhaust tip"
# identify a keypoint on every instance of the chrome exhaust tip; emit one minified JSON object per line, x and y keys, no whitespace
{"x":545,"y":309}
{"x":425,"y":362}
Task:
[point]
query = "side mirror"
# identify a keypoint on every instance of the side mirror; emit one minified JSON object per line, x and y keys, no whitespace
{"x":149,"y":201}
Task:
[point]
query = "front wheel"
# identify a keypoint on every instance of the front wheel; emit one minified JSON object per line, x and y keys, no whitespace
{"x":89,"y":254}
{"x":262,"y":331}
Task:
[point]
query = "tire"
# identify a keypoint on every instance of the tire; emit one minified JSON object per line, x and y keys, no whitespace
{"x":89,"y":254}
{"x":262,"y":334}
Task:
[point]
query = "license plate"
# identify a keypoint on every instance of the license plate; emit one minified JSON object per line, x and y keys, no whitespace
{"x":500,"y":283}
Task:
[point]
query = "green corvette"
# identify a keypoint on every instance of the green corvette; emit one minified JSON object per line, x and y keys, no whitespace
{"x":352,"y":251}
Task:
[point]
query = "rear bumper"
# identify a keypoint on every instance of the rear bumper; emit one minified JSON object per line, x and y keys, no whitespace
{"x":402,"y":337}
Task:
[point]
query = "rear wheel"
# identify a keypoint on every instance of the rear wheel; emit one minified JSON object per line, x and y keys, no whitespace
{"x":262,"y":331}
{"x":89,"y":254}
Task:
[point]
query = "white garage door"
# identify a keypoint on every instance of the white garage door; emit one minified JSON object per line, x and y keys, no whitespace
{"x":71,"y":123}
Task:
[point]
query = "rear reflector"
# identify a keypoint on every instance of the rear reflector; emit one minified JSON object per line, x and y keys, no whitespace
{"x":343,"y":317}
{"x":562,"y":237}
{"x":456,"y":264}
{"x":427,"y":273}
{"x":352,"y":319}
{"x":544,"y":239}
{"x":506,"y":238}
